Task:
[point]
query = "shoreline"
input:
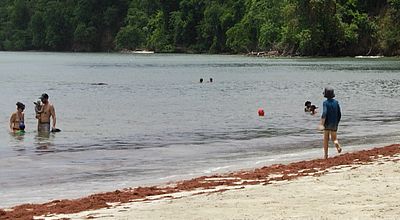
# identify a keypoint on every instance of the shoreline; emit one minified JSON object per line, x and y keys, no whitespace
{"x":367,"y":191}
{"x":206,"y":184}
{"x":263,"y":54}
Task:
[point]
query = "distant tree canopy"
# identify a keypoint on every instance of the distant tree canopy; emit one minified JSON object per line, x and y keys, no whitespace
{"x":292,"y":27}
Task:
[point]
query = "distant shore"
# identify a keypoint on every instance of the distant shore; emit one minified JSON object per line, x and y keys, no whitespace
{"x":269,"y":179}
{"x":264,"y":54}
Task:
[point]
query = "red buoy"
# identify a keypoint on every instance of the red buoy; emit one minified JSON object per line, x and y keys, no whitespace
{"x":260,"y":112}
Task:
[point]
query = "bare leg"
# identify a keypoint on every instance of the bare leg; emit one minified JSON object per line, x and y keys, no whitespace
{"x":335,"y":141}
{"x":326,"y":142}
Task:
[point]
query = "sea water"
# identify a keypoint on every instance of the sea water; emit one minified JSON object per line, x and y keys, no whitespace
{"x":139,"y":119}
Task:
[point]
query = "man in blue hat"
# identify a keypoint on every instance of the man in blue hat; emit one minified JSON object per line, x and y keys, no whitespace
{"x":47,"y":112}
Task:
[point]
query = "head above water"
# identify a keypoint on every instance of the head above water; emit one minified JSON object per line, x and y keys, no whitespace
{"x":20,"y":105}
{"x":329,"y":93}
{"x":313,"y":107}
{"x":44,"y":97}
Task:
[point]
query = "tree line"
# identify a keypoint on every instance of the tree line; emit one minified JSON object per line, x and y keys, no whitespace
{"x":292,"y":27}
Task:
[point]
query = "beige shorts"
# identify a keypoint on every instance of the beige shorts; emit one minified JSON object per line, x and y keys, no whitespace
{"x":44,"y":127}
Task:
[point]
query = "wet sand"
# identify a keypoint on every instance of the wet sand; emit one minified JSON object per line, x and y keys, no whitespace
{"x":358,"y":185}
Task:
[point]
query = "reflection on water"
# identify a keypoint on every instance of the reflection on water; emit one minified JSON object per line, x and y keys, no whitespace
{"x":17,"y":140}
{"x":18,"y":135}
{"x":44,"y":142}
{"x":131,"y":119}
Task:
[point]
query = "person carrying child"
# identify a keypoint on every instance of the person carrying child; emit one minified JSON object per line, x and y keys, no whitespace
{"x":44,"y":113}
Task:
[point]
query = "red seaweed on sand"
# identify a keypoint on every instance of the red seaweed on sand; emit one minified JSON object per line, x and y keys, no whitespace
{"x":264,"y":175}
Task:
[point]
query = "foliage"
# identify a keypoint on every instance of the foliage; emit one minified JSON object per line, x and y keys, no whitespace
{"x":292,"y":27}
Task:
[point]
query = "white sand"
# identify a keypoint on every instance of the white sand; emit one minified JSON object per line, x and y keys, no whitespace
{"x":367,"y":192}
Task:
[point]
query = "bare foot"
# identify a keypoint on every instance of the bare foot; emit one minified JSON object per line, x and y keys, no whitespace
{"x":338,"y":147}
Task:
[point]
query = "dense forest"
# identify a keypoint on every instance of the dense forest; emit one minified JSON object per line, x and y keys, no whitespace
{"x":291,"y":27}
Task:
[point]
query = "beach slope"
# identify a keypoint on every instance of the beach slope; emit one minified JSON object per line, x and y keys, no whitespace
{"x":358,"y":185}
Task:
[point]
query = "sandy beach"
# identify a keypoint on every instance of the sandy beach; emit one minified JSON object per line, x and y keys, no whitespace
{"x":368,"y":192}
{"x":358,"y":185}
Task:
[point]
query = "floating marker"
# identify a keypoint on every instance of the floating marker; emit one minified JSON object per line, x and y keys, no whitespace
{"x":260,"y":112}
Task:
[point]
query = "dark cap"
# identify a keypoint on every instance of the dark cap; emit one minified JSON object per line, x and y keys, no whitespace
{"x":20,"y":105}
{"x":44,"y":96}
{"x":329,"y":93}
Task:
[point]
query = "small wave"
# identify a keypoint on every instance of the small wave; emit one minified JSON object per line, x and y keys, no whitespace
{"x":215,"y":169}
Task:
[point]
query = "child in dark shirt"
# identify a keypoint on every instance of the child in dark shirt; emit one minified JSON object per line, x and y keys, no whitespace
{"x":330,"y":119}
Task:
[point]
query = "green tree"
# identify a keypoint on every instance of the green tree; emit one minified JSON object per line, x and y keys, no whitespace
{"x":302,"y":27}
{"x":59,"y":34}
{"x":178,"y":27}
{"x":238,"y":38}
{"x":217,"y":20}
{"x":84,"y":37}
{"x":129,"y":37}
{"x":20,"y":15}
{"x":158,"y":38}
{"x":389,"y":33}
{"x":185,"y":24}
{"x":37,"y":26}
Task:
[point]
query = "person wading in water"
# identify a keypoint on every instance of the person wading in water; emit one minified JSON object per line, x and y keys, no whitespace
{"x":17,"y":119}
{"x":47,"y":111}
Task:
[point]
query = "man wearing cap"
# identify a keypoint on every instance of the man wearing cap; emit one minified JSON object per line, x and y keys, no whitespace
{"x":46,"y":112}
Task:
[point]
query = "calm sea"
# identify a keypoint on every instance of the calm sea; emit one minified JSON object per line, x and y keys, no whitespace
{"x":130,"y":120}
